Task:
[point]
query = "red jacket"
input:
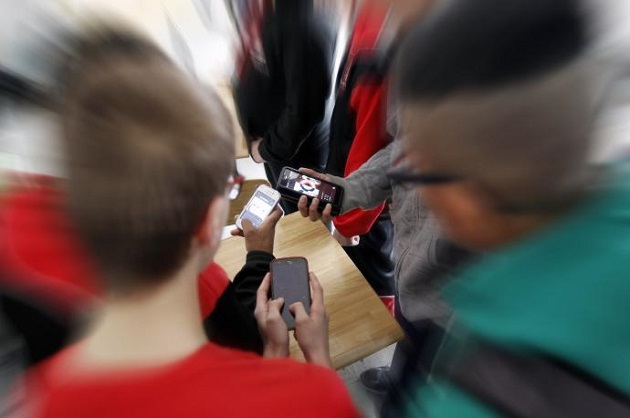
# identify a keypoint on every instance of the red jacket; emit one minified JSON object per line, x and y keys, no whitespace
{"x":41,"y":255}
{"x":358,"y":124}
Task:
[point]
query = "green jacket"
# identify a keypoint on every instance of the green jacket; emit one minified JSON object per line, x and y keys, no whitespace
{"x":563,"y":290}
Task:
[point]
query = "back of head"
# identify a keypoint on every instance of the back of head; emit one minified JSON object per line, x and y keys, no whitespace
{"x":148,"y":151}
{"x":504,"y":94}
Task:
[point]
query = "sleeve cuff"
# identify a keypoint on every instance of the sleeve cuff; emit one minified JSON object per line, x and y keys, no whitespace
{"x":262,"y":149}
{"x":259,"y":257}
{"x":346,"y":201}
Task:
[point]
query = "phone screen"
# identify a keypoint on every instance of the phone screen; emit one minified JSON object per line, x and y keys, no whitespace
{"x":290,"y":281}
{"x":258,"y":208}
{"x":308,"y":186}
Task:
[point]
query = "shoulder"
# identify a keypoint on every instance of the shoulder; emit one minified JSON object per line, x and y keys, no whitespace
{"x":35,"y":387}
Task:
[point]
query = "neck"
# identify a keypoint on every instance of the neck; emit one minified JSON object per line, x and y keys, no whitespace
{"x":157,"y":326}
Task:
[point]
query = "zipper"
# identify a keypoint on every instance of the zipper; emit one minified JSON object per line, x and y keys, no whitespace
{"x":398,"y":267}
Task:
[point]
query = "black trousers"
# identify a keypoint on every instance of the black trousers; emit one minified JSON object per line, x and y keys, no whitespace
{"x":373,"y":256}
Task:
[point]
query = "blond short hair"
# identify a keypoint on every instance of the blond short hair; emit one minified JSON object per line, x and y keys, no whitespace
{"x":148,"y":151}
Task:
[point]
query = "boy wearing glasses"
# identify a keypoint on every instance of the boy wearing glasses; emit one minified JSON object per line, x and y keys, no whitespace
{"x":499,"y":104}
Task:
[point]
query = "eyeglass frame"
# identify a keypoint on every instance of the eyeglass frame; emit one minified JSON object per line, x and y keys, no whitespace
{"x":421,"y":179}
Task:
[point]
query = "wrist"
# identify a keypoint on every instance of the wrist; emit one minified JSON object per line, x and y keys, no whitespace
{"x":260,"y":248}
{"x":276,"y":350}
{"x":255,"y":151}
{"x":319,"y":357}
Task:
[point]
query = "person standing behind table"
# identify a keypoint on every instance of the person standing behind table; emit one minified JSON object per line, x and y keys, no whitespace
{"x":357,"y":131}
{"x":282,"y":84}
{"x":423,"y":258}
{"x":500,"y":103}
{"x":149,"y":161}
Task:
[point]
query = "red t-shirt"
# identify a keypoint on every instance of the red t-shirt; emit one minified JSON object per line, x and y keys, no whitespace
{"x":212,"y":382}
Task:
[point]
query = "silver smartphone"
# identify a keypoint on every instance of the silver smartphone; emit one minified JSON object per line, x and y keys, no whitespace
{"x":261,"y":204}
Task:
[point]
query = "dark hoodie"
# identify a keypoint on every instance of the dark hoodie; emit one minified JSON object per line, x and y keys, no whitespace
{"x":283,"y":98}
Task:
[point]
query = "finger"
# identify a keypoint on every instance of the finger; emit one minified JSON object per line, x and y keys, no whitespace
{"x":262,"y":294}
{"x":311,"y":173}
{"x":303,"y":206}
{"x":298,"y":311}
{"x":275,"y":306}
{"x":270,"y":221}
{"x":317,"y":293}
{"x":275,"y":216}
{"x":247,"y":226}
{"x":313,"y":213}
{"x":273,"y":314}
{"x":326,"y":214}
{"x":236,"y":232}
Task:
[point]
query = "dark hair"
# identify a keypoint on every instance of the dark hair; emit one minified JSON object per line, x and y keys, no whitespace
{"x":480,"y":44}
{"x":148,"y":150}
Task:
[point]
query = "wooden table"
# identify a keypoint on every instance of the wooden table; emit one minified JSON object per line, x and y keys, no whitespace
{"x":359,"y":323}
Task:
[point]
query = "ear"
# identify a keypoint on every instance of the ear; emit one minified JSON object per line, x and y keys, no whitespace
{"x":461,"y":200}
{"x":471,"y":202}
{"x":209,"y":232}
{"x":467,"y":215}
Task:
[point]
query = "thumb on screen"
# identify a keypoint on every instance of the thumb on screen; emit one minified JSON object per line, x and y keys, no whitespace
{"x":298,"y":311}
{"x":247,"y":225}
{"x":276,"y":214}
{"x":309,"y":172}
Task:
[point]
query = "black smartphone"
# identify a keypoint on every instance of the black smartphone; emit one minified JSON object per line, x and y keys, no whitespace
{"x":292,"y":185}
{"x":289,"y":280}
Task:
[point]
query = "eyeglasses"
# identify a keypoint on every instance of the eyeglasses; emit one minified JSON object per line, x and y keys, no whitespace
{"x":404,"y":175}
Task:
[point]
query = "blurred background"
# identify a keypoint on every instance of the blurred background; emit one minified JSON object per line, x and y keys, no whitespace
{"x":200,"y":36}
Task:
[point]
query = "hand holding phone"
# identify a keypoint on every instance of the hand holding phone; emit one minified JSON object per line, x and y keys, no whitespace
{"x":259,"y":206}
{"x":290,"y":281}
{"x":263,"y":237}
{"x":273,"y":329}
{"x":292,"y":285}
{"x":311,"y":329}
{"x":293,"y":185}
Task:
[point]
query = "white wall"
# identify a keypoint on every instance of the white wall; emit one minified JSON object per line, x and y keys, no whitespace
{"x":202,"y":27}
{"x":208,"y":48}
{"x":201,"y":43}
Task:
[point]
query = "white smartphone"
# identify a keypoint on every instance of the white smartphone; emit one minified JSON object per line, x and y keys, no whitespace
{"x":261,"y":204}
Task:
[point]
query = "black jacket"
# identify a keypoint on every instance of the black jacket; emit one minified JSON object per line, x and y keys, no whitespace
{"x":283,"y":100}
{"x":232,"y":322}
